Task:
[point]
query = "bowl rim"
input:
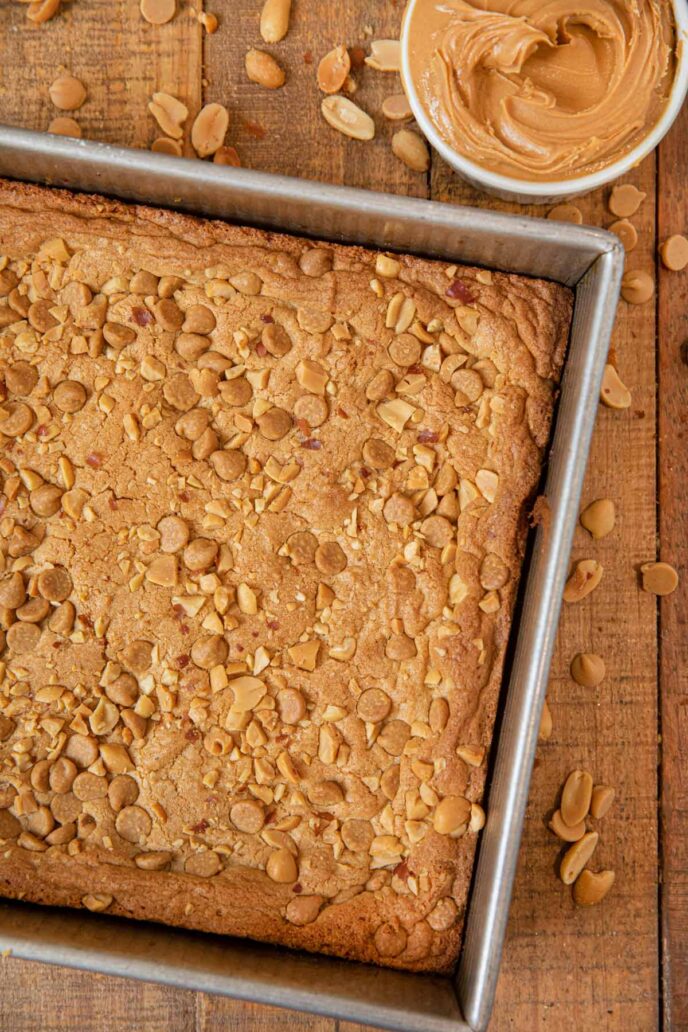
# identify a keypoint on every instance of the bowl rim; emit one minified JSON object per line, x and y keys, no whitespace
{"x":551,"y":188}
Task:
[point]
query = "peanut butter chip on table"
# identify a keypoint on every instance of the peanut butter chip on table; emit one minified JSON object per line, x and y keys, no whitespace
{"x":63,"y":126}
{"x":566,"y":213}
{"x":625,"y":200}
{"x":67,"y":93}
{"x":614,"y":393}
{"x":659,"y":578}
{"x":588,"y":669}
{"x":674,"y":252}
{"x":599,"y":517}
{"x":397,"y":108}
{"x":158,"y":12}
{"x":637,"y":287}
{"x":626,"y":233}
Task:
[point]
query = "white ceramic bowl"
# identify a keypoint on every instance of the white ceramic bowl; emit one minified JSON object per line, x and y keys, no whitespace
{"x":527,"y":191}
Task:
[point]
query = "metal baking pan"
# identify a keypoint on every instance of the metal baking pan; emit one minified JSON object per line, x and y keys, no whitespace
{"x":590,"y":261}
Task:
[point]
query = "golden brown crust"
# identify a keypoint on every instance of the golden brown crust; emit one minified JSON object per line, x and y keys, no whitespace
{"x":253,"y":601}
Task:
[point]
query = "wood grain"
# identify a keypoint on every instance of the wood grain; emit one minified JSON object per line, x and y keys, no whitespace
{"x":564,"y":969}
{"x":673,"y":548}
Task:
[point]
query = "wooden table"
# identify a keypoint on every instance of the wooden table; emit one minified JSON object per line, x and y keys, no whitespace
{"x":624,"y":965}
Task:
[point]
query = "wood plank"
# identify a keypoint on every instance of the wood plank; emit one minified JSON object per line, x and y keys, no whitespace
{"x":566,"y":968}
{"x":117,"y":55}
{"x":54,"y":999}
{"x":293,"y":137}
{"x":673,"y":548}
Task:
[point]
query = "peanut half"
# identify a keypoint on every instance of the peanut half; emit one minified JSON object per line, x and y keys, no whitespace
{"x":562,"y":830}
{"x":274,"y":20}
{"x":397,"y":108}
{"x":209,"y":129}
{"x":575,"y":798}
{"x":385,"y":55}
{"x":347,"y":118}
{"x":170,"y":114}
{"x":575,"y":858}
{"x":262,"y":69}
{"x":412,"y":149}
{"x":601,"y":801}
{"x":333,"y":70}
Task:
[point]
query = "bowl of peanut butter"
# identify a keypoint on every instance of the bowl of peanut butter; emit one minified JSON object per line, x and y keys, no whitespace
{"x":535,"y":100}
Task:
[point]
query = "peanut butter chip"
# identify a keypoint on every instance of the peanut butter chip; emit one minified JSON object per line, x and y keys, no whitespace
{"x":303,"y":910}
{"x":21,"y":378}
{"x":591,"y":887}
{"x":566,"y":213}
{"x":400,"y":647}
{"x":281,"y":867}
{"x":9,"y":825}
{"x":174,"y":534}
{"x":377,"y":454}
{"x":122,"y":792}
{"x":625,"y":200}
{"x":200,"y":554}
{"x":89,"y":786}
{"x":599,"y":517}
{"x":637,"y":287}
{"x":443,"y":915}
{"x":209,"y":651}
{"x":658,"y":578}
{"x":55,"y":585}
{"x":12,"y":591}
{"x":330,"y":558}
{"x":138,"y":656}
{"x":400,"y":510}
{"x":229,"y":464}
{"x":46,"y":500}
{"x":301,"y":547}
{"x":82,"y":749}
{"x":291,"y":705}
{"x":62,"y":775}
{"x":357,"y":835}
{"x":451,"y":816}
{"x":394,"y":736}
{"x":247,"y":816}
{"x":626,"y":232}
{"x":69,"y":396}
{"x":203,"y":865}
{"x":333,"y":70}
{"x":67,"y":93}
{"x":614,"y":393}
{"x":23,"y":637}
{"x":373,"y":705}
{"x":397,"y":108}
{"x":133,"y":824}
{"x":273,"y":424}
{"x":209,"y":129}
{"x":674,"y":252}
{"x":390,"y":939}
{"x":158,"y":12}
{"x":587,"y":669}
{"x":179,"y":392}
{"x":437,"y":531}
{"x":16,"y":419}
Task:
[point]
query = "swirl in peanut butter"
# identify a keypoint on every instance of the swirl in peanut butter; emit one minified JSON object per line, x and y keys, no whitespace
{"x":542,"y":89}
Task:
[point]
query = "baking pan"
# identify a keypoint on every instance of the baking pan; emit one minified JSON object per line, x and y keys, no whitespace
{"x":590,"y":261}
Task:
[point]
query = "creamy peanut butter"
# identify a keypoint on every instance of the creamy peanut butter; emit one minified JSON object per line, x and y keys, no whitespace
{"x":542,"y":89}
